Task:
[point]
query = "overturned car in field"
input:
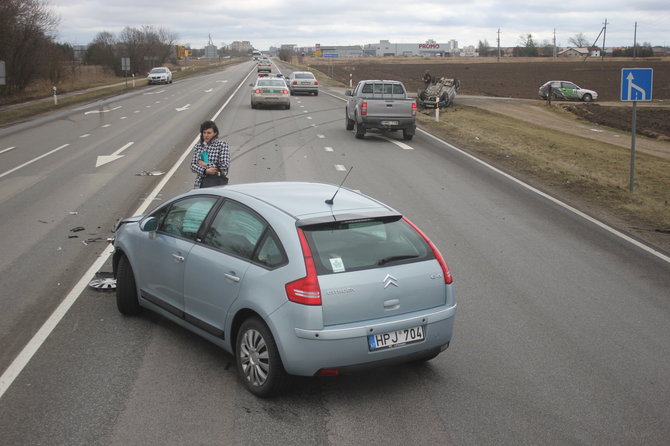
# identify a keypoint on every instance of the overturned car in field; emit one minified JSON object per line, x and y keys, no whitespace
{"x":440,"y":93}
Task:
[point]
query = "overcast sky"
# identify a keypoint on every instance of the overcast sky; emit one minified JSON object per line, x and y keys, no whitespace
{"x":267,"y":23}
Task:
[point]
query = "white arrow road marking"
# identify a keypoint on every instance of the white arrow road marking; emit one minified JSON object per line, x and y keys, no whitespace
{"x":209,"y":91}
{"x":8,"y":149}
{"x":185,"y":107}
{"x":104,"y":159}
{"x":90,"y":112}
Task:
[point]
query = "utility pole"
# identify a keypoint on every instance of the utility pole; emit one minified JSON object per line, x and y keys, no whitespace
{"x":498,"y":44}
{"x":604,"y":35}
{"x":635,"y":43}
{"x":554,"y":52}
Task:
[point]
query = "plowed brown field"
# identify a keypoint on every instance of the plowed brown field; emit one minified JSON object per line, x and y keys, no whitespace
{"x":521,"y":79}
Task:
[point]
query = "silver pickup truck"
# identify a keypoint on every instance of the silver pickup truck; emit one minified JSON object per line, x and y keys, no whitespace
{"x":380,"y":104}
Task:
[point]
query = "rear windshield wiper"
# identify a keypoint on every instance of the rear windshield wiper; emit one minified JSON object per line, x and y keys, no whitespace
{"x":394,"y":258}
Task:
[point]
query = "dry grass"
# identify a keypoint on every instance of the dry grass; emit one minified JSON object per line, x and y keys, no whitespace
{"x":592,"y":175}
{"x":90,"y":83}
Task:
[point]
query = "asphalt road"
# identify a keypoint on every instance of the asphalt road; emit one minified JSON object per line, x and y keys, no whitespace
{"x":561,"y":334}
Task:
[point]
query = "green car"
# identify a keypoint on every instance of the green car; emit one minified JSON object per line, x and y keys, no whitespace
{"x":568,"y":91}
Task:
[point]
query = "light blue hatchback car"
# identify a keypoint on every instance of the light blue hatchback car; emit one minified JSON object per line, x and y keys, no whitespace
{"x":292,"y":278}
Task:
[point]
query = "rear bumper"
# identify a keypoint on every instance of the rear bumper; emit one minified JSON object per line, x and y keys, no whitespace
{"x":309,"y":88}
{"x":384,"y":123}
{"x":346,"y":347}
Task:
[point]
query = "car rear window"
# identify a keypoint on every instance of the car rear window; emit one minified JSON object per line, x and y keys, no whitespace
{"x":359,"y":245}
{"x":304,"y":76}
{"x":271,"y":83}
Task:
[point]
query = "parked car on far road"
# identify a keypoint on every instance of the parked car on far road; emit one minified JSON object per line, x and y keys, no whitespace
{"x":567,"y":91}
{"x":160,"y":75}
{"x":303,"y":81}
{"x":291,"y":278}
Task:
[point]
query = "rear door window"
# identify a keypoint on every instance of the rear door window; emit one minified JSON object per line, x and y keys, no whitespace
{"x":238,"y":231}
{"x":360,"y":245}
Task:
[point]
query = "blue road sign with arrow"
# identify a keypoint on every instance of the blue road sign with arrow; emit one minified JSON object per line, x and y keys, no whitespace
{"x":636,"y":84}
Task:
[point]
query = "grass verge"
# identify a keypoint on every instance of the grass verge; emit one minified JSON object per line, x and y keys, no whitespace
{"x":91,"y":91}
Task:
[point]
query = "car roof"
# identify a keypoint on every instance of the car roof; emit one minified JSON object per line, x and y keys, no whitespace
{"x":306,"y":201}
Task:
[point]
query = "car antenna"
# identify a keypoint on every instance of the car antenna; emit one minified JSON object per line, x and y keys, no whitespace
{"x":340,"y":186}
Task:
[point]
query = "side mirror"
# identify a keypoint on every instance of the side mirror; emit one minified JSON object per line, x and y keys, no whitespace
{"x":149,"y":225}
{"x":348,"y":93}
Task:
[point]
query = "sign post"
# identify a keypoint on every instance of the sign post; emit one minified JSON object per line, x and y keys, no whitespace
{"x":636,"y":85}
{"x":125,"y":66}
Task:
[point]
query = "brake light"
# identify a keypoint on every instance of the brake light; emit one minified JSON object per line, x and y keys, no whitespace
{"x":364,"y":108}
{"x":284,"y":91}
{"x":295,"y":82}
{"x":316,"y":82}
{"x":414,"y":109}
{"x":305,"y":291}
{"x":258,"y":91}
{"x":445,"y":269}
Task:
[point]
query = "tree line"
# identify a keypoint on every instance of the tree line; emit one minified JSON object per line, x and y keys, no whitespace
{"x":528,"y":47}
{"x":29,"y":49}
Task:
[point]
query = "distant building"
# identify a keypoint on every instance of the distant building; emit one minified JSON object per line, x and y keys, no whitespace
{"x":430,"y":48}
{"x":579,"y":52}
{"x":241,"y":46}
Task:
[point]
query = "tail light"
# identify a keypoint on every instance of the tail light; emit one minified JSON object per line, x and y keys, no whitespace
{"x":316,"y":82}
{"x":414,"y":109}
{"x":445,"y":269}
{"x":295,"y":82}
{"x":364,"y":108}
{"x":284,"y":91}
{"x":305,"y":291}
{"x":258,"y":91}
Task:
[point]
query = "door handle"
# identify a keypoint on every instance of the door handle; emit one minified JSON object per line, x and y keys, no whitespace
{"x":178,"y":258}
{"x":231,"y":276}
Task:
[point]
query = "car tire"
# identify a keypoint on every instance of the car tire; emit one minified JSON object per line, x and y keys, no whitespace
{"x":126,"y":289}
{"x":258,"y":361}
{"x":316,"y":93}
{"x":349,"y":124}
{"x":288,"y":106}
{"x":406,"y":135}
{"x":359,"y":129}
{"x":587,"y":98}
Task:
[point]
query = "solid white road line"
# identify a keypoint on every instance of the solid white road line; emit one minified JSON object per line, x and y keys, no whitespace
{"x":45,"y":330}
{"x":576,"y":211}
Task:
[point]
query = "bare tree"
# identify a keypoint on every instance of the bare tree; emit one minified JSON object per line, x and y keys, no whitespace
{"x":27,"y":30}
{"x":146,"y":46}
{"x":528,"y":47}
{"x":484,"y":48}
{"x":102,"y":51}
{"x":579,"y":41}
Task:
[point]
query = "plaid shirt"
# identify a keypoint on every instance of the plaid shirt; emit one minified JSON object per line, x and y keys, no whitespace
{"x":219,"y":156}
